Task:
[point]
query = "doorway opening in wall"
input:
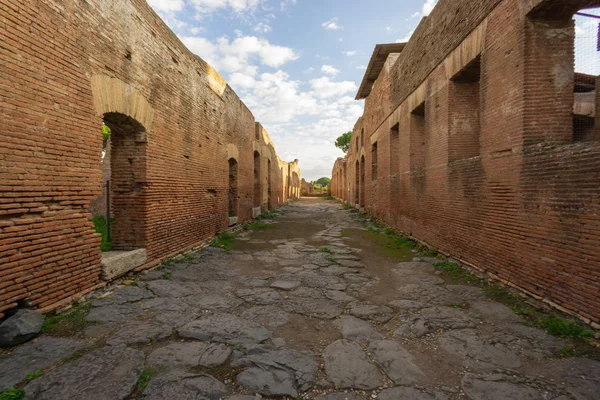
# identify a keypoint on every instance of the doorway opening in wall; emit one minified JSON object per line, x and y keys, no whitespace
{"x":257,"y":193}
{"x":122,"y":204}
{"x":357,"y":184}
{"x":269,"y":205}
{"x":587,"y":70}
{"x":233,"y":191}
{"x":362,"y":181}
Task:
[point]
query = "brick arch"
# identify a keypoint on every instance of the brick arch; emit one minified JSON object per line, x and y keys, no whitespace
{"x":233,"y":152}
{"x":112,"y":95}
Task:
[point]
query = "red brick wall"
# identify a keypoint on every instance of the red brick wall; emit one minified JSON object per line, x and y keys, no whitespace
{"x":492,"y":176}
{"x":50,"y":152}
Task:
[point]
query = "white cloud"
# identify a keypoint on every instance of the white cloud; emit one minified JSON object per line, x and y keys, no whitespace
{"x":349,"y":53}
{"x":332,"y":25}
{"x":262,"y":28}
{"x":210,"y":6}
{"x":428,"y":7}
{"x":363,"y":67}
{"x":324,"y":87}
{"x":233,"y":56}
{"x":330,"y":70}
{"x":285,"y":3}
{"x":167,"y":5}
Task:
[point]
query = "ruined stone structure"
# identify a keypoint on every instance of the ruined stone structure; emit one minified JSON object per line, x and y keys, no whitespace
{"x":467,"y":143}
{"x":187,"y":157}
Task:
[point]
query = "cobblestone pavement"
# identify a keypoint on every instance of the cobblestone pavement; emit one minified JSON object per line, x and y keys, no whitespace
{"x":307,"y":305}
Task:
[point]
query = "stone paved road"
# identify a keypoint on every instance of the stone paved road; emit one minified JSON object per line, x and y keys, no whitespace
{"x":310,"y":305}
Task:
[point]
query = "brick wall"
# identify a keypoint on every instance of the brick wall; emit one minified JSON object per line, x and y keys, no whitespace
{"x":475,"y":148}
{"x":176,"y":124}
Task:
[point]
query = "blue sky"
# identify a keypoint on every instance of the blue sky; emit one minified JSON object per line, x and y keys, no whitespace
{"x":297,"y":64}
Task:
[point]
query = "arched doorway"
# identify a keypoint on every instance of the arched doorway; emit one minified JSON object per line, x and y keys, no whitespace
{"x":357,"y":183}
{"x":257,"y":191}
{"x":233,"y":188}
{"x":269,"y":205}
{"x":362,"y":181}
{"x":125,"y":182}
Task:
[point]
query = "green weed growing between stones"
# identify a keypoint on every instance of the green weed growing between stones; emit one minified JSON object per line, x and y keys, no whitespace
{"x":33,"y":375}
{"x":563,"y":328}
{"x":12,"y":394}
{"x":325,"y":250}
{"x":147,"y":374}
{"x":67,"y":323}
{"x":223,"y":241}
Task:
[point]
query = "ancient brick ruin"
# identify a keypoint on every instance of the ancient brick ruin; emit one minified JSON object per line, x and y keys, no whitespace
{"x":467,"y":143}
{"x":187,"y":158}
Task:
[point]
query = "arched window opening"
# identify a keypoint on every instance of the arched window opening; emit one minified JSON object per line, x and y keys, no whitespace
{"x":124,"y":174}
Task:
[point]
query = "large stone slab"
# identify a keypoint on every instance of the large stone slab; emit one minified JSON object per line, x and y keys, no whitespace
{"x":371,"y":311}
{"x":285,"y":284}
{"x":260,"y":296}
{"x":356,"y":329}
{"x":114,"y":313}
{"x":106,"y":374}
{"x":214,"y":302}
{"x":274,"y":382}
{"x":430,"y":319}
{"x":190,"y":354}
{"x":269,"y":316}
{"x":225,"y":328}
{"x":139,"y":332}
{"x":185,"y":386}
{"x":396,"y":361}
{"x":129,"y":294}
{"x":21,"y":327}
{"x":501,"y":387}
{"x":409,"y":393}
{"x":171,"y":288}
{"x":347,"y":366}
{"x":41,"y":354}
{"x":318,"y":308}
{"x":478,"y":352}
{"x":300,"y":364}
{"x":117,"y":263}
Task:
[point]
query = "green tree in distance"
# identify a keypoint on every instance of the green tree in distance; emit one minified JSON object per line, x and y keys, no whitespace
{"x":323,"y":181}
{"x":343,"y":142}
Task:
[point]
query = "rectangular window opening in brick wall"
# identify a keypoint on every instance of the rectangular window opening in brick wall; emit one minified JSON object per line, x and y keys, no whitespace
{"x":257,"y":179}
{"x":417,"y":137}
{"x":362,"y":139}
{"x":362,"y":181}
{"x":357,"y":183}
{"x":374,"y":162}
{"x":464,"y":102}
{"x":587,"y":70}
{"x":394,"y":161}
{"x":548,"y":115}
